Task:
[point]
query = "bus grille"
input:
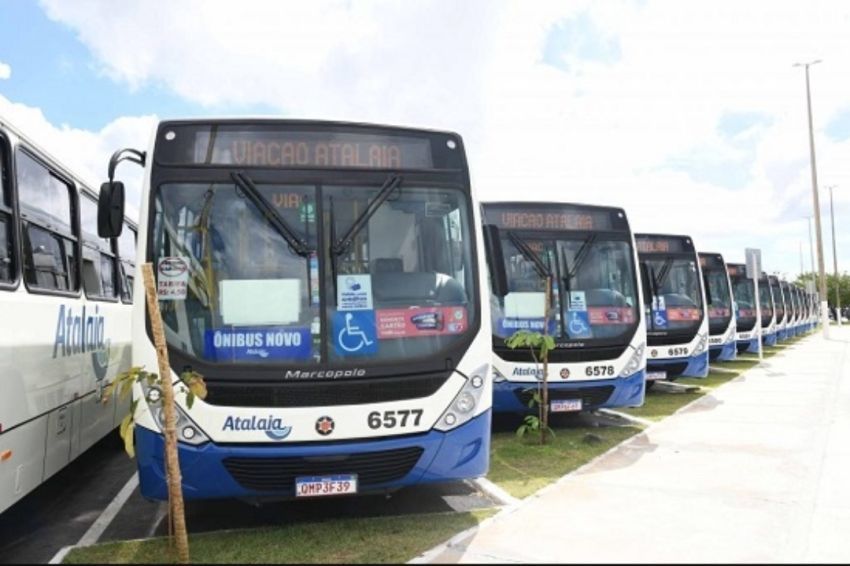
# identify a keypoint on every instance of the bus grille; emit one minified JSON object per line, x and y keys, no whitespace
{"x":590,"y":396}
{"x":322,"y":393}
{"x":714,"y":353}
{"x":278,"y":474}
{"x":673,"y":370}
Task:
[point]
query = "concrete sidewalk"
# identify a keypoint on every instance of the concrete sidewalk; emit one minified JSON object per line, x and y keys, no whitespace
{"x":758,"y":471}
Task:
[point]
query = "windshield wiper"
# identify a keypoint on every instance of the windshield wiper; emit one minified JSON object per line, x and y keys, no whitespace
{"x":340,"y":246}
{"x":529,"y":254}
{"x":662,"y":275}
{"x":250,"y":190}
{"x":581,"y":254}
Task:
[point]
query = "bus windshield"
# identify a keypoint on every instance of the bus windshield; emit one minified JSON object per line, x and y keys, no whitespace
{"x":745,"y":305}
{"x":594,"y":286}
{"x":720,"y":301}
{"x":240,"y":283}
{"x":779,"y":304}
{"x":677,"y":301}
{"x":766,"y":302}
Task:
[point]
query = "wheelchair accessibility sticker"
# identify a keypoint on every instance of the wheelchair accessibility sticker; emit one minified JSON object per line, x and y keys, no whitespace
{"x":354,"y":333}
{"x":578,"y":324}
{"x":659,"y":318}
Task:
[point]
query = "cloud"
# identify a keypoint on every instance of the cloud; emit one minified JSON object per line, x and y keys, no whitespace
{"x":85,"y":153}
{"x":5,"y":70}
{"x":689,"y":115}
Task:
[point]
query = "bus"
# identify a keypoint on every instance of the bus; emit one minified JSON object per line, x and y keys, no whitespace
{"x":66,"y":304}
{"x":746,"y":335}
{"x":324,"y":279}
{"x":794,"y":323}
{"x":779,"y":307}
{"x":768,"y":313}
{"x":721,"y":317}
{"x":674,"y":305}
{"x":595,"y":314}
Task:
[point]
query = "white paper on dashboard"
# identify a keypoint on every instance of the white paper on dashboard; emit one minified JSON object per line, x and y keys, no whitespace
{"x":525,"y":305}
{"x":246,"y":302}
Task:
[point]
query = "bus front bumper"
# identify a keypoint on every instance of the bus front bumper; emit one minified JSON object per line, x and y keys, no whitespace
{"x":693,"y":366}
{"x":214,"y":471}
{"x":724,"y":352}
{"x":509,"y":396}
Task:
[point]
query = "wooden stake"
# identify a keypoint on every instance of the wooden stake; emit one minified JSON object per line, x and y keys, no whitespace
{"x":172,"y":463}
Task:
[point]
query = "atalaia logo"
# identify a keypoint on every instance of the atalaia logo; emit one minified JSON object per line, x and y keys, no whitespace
{"x":271,"y":425}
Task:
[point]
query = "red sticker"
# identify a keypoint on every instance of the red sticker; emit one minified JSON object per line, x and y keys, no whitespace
{"x":718,"y":312}
{"x":683,"y":314}
{"x":420,"y":321}
{"x":611,"y":315}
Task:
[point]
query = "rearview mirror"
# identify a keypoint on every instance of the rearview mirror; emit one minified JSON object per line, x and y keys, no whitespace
{"x":110,"y":209}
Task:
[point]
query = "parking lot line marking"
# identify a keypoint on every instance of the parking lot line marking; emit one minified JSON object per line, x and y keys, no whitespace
{"x":102,"y":522}
{"x":494,"y":491}
{"x":624,"y":416}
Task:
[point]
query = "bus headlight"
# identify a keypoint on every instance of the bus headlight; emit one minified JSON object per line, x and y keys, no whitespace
{"x":635,"y":362}
{"x":187,"y":430}
{"x":702,"y":343}
{"x":463,"y":407}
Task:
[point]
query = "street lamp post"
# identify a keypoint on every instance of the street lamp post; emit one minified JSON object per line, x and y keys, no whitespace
{"x":835,"y":261}
{"x":823,"y":306}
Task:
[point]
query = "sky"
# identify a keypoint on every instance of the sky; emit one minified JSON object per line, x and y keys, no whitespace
{"x":689,"y":115}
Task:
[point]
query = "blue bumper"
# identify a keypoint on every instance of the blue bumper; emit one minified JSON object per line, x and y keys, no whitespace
{"x":724,"y":353}
{"x":782,"y":335}
{"x":446,"y":456}
{"x":628,"y":392}
{"x":697,"y":366}
{"x":769,"y":339}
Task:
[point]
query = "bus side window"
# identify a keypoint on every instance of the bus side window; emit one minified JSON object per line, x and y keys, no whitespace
{"x":50,"y":251}
{"x":7,"y":257}
{"x":100,"y":266}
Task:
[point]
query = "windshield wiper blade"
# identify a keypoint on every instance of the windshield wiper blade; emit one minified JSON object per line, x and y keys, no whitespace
{"x":529,"y":254}
{"x":665,"y":271}
{"x":248,"y":187}
{"x":340,"y":246}
{"x":581,"y":254}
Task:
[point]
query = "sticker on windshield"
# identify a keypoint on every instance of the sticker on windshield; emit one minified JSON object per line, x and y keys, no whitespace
{"x":578,"y":324}
{"x":314,"y":279}
{"x":258,"y":343}
{"x":611,"y":315}
{"x":659,"y":318}
{"x":172,"y":281}
{"x":354,"y":292}
{"x":509,"y":325}
{"x":578,"y":301}
{"x":354,"y":333}
{"x":420,"y":321}
{"x":683,"y":314}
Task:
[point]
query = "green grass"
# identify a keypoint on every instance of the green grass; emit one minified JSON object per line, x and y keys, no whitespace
{"x":522,"y":467}
{"x":344,"y":541}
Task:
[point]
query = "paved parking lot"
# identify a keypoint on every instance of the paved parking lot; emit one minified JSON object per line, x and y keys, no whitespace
{"x":755,"y":472}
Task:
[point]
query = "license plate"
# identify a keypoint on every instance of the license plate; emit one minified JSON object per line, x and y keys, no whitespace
{"x":320,"y":486}
{"x":656,"y":375}
{"x":565,"y":406}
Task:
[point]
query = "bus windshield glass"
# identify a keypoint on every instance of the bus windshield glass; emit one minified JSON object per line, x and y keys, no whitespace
{"x":720,"y":296}
{"x":677,"y":301}
{"x":766,"y":302}
{"x":589,"y":256}
{"x":239,"y":284}
{"x":779,"y":305}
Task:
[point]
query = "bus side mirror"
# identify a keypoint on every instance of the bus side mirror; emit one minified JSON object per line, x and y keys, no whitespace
{"x":110,"y":209}
{"x":645,"y":283}
{"x":707,"y":289}
{"x":495,"y":261}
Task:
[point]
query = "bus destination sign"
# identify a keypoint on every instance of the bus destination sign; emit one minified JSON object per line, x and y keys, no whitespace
{"x":550,"y":219}
{"x":659,"y":245}
{"x":275,"y":148}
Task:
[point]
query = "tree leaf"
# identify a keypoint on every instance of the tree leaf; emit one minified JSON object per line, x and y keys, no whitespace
{"x":190,"y":399}
{"x":126,"y":431}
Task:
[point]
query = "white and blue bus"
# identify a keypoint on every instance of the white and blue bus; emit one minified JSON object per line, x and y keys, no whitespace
{"x":779,"y":308}
{"x":768,"y":313}
{"x":746,"y":334}
{"x":797,"y":322}
{"x":675,"y":306}
{"x":65,"y":299}
{"x":595,"y":314}
{"x":721,"y":316}
{"x":324,"y":279}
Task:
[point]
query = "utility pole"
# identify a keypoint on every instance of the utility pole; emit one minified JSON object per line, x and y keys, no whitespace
{"x":816,"y":202}
{"x":835,"y":261}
